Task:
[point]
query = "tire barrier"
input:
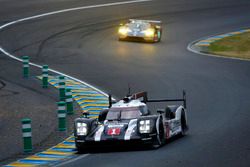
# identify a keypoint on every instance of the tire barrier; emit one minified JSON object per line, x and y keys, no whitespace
{"x":27,"y":135}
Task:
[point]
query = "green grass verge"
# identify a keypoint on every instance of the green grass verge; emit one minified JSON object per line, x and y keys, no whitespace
{"x":237,"y":46}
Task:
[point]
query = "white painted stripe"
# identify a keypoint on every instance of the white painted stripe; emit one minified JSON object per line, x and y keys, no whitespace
{"x":26,"y":65}
{"x":191,"y":49}
{"x":45,"y":75}
{"x":62,"y":86}
{"x":57,"y":12}
{"x":71,"y":9}
{"x":27,"y":134}
{"x":61,"y":108}
{"x":98,"y":134}
{"x":61,"y":115}
{"x":26,"y":126}
{"x":72,"y":160}
{"x":69,"y":100}
{"x":54,"y":71}
{"x":57,"y":72}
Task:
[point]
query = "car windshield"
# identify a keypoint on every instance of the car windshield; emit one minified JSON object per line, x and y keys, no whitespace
{"x":141,"y":26}
{"x":123,"y":113}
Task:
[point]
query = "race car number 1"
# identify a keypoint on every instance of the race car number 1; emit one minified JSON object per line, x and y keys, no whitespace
{"x":114,"y":131}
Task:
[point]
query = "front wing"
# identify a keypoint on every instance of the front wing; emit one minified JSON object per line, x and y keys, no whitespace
{"x":116,"y":141}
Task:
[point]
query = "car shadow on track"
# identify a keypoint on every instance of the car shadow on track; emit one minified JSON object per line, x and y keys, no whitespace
{"x":127,"y":148}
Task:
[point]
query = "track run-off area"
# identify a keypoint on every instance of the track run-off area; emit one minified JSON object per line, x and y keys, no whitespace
{"x":83,"y":43}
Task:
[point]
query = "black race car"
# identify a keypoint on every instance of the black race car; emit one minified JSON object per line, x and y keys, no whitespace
{"x":129,"y":121}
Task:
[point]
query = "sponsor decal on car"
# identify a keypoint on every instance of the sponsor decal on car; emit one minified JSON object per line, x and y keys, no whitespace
{"x":114,"y":131}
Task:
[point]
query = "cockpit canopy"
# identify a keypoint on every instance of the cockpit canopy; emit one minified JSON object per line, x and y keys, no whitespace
{"x":121,"y":113}
{"x":139,"y":25}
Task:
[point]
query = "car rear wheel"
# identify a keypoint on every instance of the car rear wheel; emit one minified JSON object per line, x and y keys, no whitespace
{"x":184,"y":126}
{"x":159,"y":35}
{"x":155,"y":39}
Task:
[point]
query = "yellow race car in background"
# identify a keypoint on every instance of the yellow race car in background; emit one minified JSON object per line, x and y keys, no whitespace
{"x":141,"y":30}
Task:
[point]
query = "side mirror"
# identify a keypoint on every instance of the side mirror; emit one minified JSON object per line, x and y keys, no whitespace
{"x":111,"y":100}
{"x":160,"y":111}
{"x":85,"y":114}
{"x":102,"y":115}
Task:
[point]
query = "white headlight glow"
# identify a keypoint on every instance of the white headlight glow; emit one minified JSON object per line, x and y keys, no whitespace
{"x":149,"y":32}
{"x":123,"y":30}
{"x":81,"y":129}
{"x":144,"y":126}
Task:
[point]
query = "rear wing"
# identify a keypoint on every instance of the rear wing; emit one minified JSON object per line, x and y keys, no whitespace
{"x":149,"y":21}
{"x":146,"y":100}
{"x":144,"y":96}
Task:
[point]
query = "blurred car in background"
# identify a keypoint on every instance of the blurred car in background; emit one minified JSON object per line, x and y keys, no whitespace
{"x":141,"y":30}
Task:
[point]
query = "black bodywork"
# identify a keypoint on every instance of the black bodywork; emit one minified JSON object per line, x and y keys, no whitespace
{"x":105,"y":132}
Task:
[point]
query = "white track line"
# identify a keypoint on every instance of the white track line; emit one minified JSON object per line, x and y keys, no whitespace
{"x":72,"y":160}
{"x":58,"y":12}
{"x":189,"y":48}
{"x":54,"y":71}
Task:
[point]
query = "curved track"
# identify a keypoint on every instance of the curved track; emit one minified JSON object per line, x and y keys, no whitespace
{"x":84,"y":45}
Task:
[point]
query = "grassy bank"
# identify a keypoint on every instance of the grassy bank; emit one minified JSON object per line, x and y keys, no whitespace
{"x":234,"y":46}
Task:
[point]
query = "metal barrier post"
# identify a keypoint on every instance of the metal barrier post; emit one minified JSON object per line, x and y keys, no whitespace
{"x":27,"y":135}
{"x":25,"y":66}
{"x":69,"y":101}
{"x":45,"y":76}
{"x":62,"y":88}
{"x":61,"y":116}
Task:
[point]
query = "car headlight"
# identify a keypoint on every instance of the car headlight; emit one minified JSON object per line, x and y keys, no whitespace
{"x":149,"y":32}
{"x":144,"y":126}
{"x":81,"y":129}
{"x":123,"y":30}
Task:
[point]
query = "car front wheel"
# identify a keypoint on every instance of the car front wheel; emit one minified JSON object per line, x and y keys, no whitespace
{"x":81,"y":148}
{"x":159,"y":139}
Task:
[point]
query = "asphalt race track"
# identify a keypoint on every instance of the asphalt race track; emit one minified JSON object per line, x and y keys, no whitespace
{"x":84,"y":44}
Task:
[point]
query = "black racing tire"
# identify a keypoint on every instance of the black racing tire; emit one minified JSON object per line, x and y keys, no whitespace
{"x":102,"y":115}
{"x":159,"y":37}
{"x":156,"y":38}
{"x":184,"y":126}
{"x":81,"y":148}
{"x":158,"y":34}
{"x":159,"y":139}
